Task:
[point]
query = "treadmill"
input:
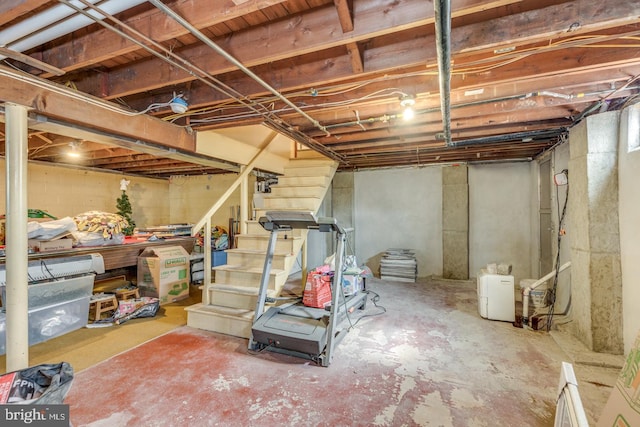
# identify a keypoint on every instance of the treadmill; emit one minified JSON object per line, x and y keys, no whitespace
{"x":293,"y":328}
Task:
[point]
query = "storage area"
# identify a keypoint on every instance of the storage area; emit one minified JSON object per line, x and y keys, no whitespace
{"x":55,"y":308}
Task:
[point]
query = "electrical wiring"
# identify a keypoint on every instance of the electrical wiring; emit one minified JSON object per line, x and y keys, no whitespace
{"x":461,"y":69}
{"x":374,"y":300}
{"x":285,"y":110}
{"x":554,"y":288}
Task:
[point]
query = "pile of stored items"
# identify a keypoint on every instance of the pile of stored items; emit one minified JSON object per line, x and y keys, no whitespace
{"x":399,"y":265}
{"x":93,"y":228}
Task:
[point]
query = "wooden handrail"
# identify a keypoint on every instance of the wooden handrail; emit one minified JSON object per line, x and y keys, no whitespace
{"x":205,"y":221}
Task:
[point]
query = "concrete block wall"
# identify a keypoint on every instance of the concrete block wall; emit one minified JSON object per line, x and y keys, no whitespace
{"x":399,"y":208}
{"x":455,"y":222}
{"x":499,"y":211}
{"x":596,"y":279}
{"x":65,"y":191}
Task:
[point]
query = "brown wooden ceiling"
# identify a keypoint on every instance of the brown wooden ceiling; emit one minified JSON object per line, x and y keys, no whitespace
{"x":521,"y":74}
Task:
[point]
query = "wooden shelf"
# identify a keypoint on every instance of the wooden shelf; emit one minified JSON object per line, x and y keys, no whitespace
{"x":116,"y":256}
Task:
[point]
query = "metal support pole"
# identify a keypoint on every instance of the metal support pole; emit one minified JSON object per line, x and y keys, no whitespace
{"x":336,"y":287}
{"x":303,"y":261}
{"x":264,"y":281}
{"x":17,"y":295}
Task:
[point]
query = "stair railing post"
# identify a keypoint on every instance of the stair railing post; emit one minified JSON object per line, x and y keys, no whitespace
{"x":206,"y":300}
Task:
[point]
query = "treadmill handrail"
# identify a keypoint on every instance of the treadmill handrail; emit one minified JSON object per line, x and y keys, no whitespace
{"x":290,"y":220}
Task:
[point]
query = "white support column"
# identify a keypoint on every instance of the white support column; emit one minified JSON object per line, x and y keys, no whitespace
{"x":244,"y":202}
{"x":17,"y":297}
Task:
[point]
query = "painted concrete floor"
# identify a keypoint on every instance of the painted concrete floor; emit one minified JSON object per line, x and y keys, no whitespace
{"x":430,"y":360}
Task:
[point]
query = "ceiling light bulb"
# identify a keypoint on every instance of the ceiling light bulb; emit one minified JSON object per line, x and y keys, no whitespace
{"x":407,"y":101}
{"x":73,"y":152}
{"x":408,"y":114}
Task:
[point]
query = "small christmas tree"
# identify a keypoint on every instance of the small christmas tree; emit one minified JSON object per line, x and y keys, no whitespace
{"x":124,"y":208}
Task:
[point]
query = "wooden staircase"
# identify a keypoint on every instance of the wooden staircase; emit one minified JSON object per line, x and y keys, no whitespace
{"x":228,"y":304}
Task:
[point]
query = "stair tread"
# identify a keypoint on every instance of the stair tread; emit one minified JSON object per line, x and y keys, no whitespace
{"x":275,"y":197}
{"x":292,"y":185}
{"x":244,"y":290}
{"x":221,"y":309}
{"x":256,"y":252}
{"x":245,"y":269}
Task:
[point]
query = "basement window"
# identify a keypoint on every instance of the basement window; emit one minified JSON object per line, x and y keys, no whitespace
{"x":633,"y":128}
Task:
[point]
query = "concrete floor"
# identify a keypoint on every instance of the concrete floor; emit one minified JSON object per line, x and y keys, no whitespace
{"x":430,"y":360}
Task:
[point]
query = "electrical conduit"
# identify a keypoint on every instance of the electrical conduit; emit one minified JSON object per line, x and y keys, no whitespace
{"x":53,"y":23}
{"x":527,"y":291}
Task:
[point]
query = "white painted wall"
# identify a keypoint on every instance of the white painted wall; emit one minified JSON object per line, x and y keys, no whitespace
{"x":499,"y":211}
{"x":629,"y":217}
{"x":399,"y":208}
{"x":192,"y":196}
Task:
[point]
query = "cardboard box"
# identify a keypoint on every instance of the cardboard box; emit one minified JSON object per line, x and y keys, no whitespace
{"x":622,"y":408}
{"x":163,"y":273}
{"x":50,"y":245}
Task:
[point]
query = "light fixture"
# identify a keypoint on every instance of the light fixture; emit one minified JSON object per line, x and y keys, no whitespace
{"x":74,"y":149}
{"x":561,"y":178}
{"x":177,"y":104}
{"x":407,"y":102}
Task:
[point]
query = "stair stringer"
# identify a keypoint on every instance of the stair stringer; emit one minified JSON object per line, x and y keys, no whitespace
{"x":233,"y":292}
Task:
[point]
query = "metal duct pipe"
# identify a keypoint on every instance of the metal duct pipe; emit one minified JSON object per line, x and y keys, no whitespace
{"x":511,"y":137}
{"x":442,"y":10}
{"x":53,"y":23}
{"x":193,"y":30}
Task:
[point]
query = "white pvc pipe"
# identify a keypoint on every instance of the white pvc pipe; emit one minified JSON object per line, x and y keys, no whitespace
{"x":540,"y":281}
{"x":16,"y":260}
{"x":56,"y":22}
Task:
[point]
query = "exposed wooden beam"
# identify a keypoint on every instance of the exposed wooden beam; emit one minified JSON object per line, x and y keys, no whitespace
{"x":344,"y":8}
{"x":104,"y":44}
{"x":68,"y":106}
{"x":26,"y":59}
{"x":357,"y":65}
{"x":299,"y":35}
{"x":414,"y":52}
{"x":10,"y":10}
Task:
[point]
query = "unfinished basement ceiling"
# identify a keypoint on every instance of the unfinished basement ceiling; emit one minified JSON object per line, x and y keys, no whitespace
{"x":505,"y":83}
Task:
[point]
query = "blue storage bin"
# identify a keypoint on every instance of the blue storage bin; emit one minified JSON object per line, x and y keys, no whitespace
{"x":218,"y":258}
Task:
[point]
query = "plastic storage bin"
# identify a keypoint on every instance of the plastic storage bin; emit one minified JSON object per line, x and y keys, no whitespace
{"x":218,"y":258}
{"x":47,"y":293}
{"x":51,"y":321}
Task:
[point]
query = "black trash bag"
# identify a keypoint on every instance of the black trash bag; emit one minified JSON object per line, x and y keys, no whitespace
{"x":39,"y":385}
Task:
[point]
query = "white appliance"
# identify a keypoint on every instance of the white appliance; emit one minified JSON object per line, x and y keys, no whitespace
{"x":496,"y":296}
